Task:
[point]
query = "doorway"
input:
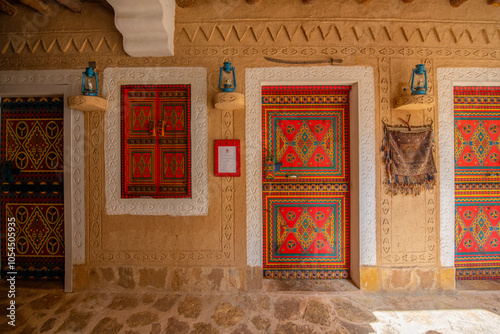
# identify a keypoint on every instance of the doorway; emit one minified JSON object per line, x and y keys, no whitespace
{"x":32,"y":186}
{"x":477,"y":182}
{"x":305,"y":181}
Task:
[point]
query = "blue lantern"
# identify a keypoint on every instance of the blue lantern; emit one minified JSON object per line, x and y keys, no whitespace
{"x":90,"y":80}
{"x":227,"y":78}
{"x":419,"y":80}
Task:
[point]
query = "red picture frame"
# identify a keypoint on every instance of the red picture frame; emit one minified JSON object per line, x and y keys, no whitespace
{"x":227,"y":157}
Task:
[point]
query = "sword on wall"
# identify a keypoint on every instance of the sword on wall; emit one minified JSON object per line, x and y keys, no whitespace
{"x":302,"y":62}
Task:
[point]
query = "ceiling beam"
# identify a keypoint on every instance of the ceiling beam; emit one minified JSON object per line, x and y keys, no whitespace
{"x":75,"y":6}
{"x":106,"y":5}
{"x":7,"y":8}
{"x":457,"y":3}
{"x":37,"y":5}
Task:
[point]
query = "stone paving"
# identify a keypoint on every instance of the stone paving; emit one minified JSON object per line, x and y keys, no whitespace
{"x":280,"y":308}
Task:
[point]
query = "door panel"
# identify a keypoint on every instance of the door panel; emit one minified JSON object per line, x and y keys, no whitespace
{"x":32,"y":185}
{"x":156,"y":144}
{"x":305,"y":181}
{"x":477,"y":182}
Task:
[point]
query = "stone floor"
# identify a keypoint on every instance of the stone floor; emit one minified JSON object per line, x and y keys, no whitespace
{"x":282,"y":307}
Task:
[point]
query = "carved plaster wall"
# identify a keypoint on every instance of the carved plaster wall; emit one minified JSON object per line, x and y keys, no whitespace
{"x":198,"y":203}
{"x":449,"y":36}
{"x":66,"y":83}
{"x":447,"y":78}
{"x":361,"y":76}
{"x":408,"y":232}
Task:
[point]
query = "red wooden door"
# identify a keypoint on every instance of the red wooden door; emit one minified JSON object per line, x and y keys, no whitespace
{"x":156,"y":141}
{"x":477,"y":182}
{"x":32,"y":187}
{"x":305,"y":181}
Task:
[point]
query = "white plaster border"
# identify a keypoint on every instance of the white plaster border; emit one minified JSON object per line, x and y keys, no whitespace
{"x":197,"y":205}
{"x":448,"y":78}
{"x":359,"y":76}
{"x":66,"y":83}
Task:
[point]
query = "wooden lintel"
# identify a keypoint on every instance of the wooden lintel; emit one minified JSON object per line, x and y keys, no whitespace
{"x":73,"y":5}
{"x":457,"y":3}
{"x":185,"y":3}
{"x":407,"y":1}
{"x":37,"y":5}
{"x":252,"y":2}
{"x":495,"y":3}
{"x":308,"y":2}
{"x":7,"y":8}
{"x":361,"y":2}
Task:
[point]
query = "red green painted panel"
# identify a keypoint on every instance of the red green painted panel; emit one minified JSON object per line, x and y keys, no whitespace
{"x":477,"y":184}
{"x":305,"y":181}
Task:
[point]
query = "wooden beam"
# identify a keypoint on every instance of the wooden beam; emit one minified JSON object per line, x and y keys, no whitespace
{"x":7,"y":8}
{"x":253,"y":2}
{"x":495,"y":3}
{"x":37,"y":5}
{"x":407,"y":1}
{"x":308,"y":2}
{"x":185,"y":3}
{"x":75,"y":6}
{"x":106,"y":5}
{"x":457,"y":3}
{"x":361,"y":2}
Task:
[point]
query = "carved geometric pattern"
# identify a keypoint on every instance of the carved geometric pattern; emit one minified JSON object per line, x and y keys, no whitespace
{"x":306,"y":234}
{"x":390,"y":253}
{"x":372,"y":32}
{"x":477,"y":248}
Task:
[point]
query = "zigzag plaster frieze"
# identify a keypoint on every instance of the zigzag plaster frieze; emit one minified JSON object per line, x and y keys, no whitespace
{"x":80,"y":42}
{"x":378,"y":31}
{"x":353,"y":33}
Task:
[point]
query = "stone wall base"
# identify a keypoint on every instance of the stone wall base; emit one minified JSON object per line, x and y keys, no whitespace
{"x":231,"y":279}
{"x":407,"y":279}
{"x":178,"y":279}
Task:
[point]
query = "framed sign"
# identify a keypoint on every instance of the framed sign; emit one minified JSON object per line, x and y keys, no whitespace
{"x":227,"y":157}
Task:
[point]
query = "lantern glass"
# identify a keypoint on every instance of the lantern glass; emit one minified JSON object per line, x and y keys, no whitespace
{"x":90,"y":81}
{"x":419,"y":80}
{"x":227,"y":78}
